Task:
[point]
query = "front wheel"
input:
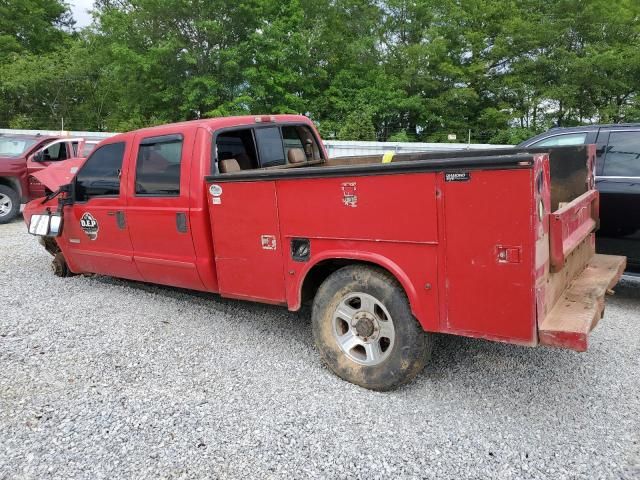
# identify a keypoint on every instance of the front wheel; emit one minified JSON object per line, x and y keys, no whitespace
{"x":60,"y":267}
{"x":364,"y":329}
{"x":9,"y":204}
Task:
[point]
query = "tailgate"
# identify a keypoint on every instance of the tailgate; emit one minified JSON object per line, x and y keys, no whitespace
{"x":578,"y":278}
{"x":581,"y":305}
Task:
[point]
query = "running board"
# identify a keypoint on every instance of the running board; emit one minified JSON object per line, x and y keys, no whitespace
{"x":581,"y":306}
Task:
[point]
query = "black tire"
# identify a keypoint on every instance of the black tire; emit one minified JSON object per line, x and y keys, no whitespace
{"x":60,"y":267}
{"x":10,"y":196}
{"x":411,"y":347}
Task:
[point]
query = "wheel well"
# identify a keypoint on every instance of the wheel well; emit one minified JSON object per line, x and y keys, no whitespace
{"x":13,"y":184}
{"x":323,"y":269}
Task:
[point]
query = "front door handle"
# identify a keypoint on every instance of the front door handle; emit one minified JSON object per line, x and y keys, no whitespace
{"x":181,"y":222}
{"x":120,"y":220}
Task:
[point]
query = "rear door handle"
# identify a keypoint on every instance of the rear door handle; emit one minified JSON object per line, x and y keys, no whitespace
{"x":181,"y":222}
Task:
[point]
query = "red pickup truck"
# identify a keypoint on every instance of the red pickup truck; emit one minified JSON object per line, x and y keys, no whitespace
{"x":23,"y":155}
{"x":495,"y":245}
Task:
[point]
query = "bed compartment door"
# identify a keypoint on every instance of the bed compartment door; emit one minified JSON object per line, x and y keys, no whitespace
{"x":489,"y":254}
{"x":246,"y":240}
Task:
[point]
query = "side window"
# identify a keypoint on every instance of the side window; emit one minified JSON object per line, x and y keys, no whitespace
{"x":236,"y":145}
{"x":562,"y":140}
{"x":270,"y":146}
{"x":291,"y":139}
{"x":299,"y":144}
{"x":57,"y":151}
{"x":623,"y":155}
{"x":100,"y":174}
{"x":158,"y":166}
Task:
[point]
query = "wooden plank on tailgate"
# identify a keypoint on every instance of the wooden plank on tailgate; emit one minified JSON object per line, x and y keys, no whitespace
{"x":581,"y":305}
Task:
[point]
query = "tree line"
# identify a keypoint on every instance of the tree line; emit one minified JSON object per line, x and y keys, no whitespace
{"x":399,"y":70}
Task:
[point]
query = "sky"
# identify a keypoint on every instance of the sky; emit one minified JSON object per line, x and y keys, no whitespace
{"x":79,"y":9}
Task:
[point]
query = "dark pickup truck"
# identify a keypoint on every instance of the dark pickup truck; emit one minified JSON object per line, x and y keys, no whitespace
{"x":617,"y":179}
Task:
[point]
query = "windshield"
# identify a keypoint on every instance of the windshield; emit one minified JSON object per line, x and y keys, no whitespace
{"x":15,"y":146}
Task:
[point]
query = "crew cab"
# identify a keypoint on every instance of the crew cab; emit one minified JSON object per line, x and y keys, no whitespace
{"x":497,"y":245}
{"x":617,"y":180}
{"x":23,"y":155}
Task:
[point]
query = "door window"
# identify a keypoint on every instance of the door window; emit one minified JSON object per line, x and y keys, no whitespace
{"x":100,"y":174}
{"x":261,"y":147}
{"x":237,"y":145}
{"x":299,"y":144}
{"x":270,"y":146}
{"x":562,"y":140}
{"x":55,"y":152}
{"x":158,"y":166}
{"x":623,"y":155}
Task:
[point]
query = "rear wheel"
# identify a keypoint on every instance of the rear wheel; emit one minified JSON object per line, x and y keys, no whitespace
{"x":9,"y":204}
{"x":365,"y":331}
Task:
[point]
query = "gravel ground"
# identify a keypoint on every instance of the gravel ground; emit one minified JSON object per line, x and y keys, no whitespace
{"x":102,"y":378}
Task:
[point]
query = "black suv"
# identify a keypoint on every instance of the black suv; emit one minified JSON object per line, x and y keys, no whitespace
{"x":617,"y":179}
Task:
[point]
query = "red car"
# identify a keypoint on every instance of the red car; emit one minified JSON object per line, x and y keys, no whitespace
{"x":23,"y":155}
{"x":492,"y":245}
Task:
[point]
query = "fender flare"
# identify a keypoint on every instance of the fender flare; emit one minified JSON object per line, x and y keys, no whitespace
{"x":366,"y":257}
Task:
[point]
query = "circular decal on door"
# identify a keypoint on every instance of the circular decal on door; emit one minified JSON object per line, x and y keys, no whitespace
{"x":215,"y":190}
{"x":89,"y":225}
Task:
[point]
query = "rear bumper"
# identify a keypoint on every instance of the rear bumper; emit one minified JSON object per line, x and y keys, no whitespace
{"x":581,"y":305}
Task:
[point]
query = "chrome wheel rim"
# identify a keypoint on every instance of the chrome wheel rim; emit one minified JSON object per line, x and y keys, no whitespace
{"x":5,"y":204}
{"x":363,"y":329}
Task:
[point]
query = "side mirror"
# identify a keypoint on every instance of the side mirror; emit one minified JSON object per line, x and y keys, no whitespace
{"x":45,"y":225}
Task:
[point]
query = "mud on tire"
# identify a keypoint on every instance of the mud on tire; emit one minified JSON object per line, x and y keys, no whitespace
{"x":364,"y":329}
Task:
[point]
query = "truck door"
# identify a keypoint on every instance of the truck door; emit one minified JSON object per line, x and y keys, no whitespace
{"x":53,"y":152}
{"x":95,"y":238}
{"x":158,"y":208}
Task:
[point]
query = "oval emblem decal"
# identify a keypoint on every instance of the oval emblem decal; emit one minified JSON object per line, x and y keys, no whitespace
{"x":89,"y":225}
{"x":215,"y":190}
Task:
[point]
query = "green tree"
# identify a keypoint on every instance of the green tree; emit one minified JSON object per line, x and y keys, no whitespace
{"x":357,"y":126}
{"x":374,"y":69}
{"x":32,"y":26}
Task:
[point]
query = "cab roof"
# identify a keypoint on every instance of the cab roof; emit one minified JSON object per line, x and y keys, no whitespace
{"x":220,"y":122}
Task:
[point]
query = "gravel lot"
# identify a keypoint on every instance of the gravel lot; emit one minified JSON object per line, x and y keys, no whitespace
{"x":102,"y":378}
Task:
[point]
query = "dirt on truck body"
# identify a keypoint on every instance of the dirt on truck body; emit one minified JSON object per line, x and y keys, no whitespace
{"x":496,"y":245}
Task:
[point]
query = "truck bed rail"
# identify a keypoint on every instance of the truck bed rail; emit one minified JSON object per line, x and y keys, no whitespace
{"x":570,"y":225}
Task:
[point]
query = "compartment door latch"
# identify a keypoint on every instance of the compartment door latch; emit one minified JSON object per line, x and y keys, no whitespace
{"x":506,"y":254}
